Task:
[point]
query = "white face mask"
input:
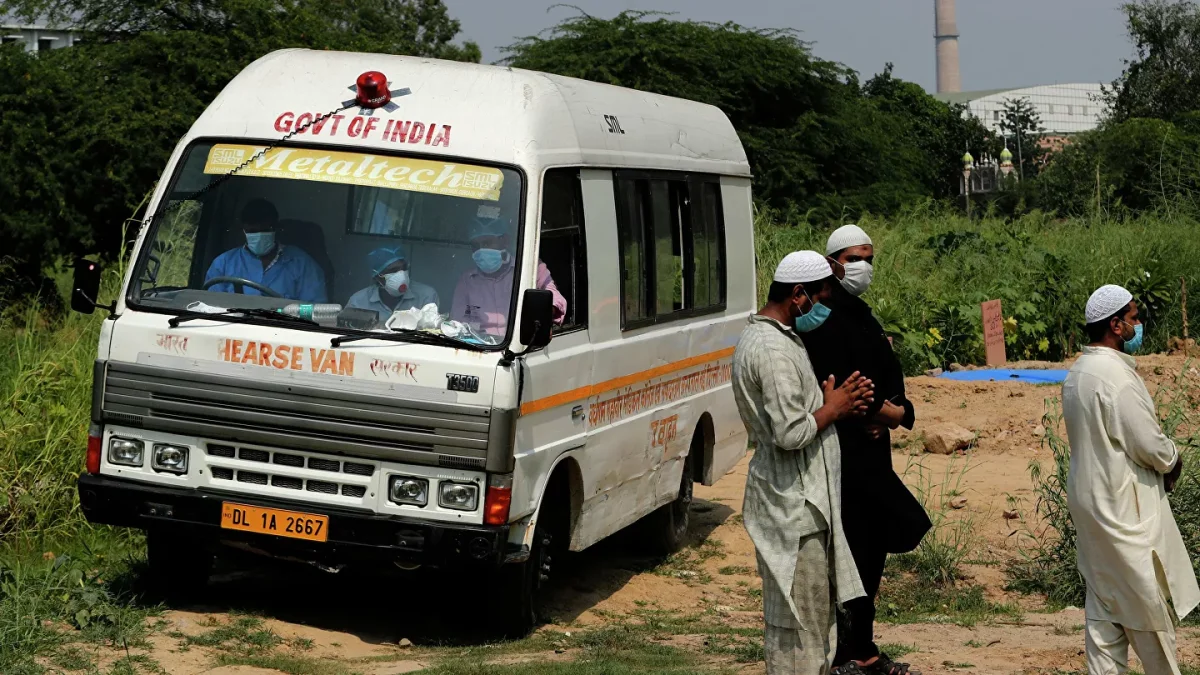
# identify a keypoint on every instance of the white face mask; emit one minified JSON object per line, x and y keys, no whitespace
{"x":396,"y":283}
{"x":858,"y":277}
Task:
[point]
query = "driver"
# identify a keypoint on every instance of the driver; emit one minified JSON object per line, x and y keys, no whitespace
{"x":287,"y":270}
{"x":484,"y":293}
{"x":392,"y":289}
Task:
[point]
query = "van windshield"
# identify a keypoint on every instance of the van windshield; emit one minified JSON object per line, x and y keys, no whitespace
{"x":354,"y":240}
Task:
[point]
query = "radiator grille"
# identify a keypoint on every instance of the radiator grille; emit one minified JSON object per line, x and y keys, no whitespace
{"x":358,"y":469}
{"x":323,"y":487}
{"x":323,"y":464}
{"x":252,"y":455}
{"x":252,"y":477}
{"x":296,"y":415}
{"x":287,"y":482}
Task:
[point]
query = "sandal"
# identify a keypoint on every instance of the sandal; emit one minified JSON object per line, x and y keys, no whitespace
{"x":884,"y":665}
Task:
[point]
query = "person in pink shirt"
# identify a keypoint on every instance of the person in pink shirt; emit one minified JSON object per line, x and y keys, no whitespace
{"x":484,"y":294}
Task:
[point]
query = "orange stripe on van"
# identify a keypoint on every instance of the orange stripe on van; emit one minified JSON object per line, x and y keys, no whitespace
{"x":582,"y":393}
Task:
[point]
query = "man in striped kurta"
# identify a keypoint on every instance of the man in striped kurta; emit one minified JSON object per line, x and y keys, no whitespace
{"x":793,"y":501}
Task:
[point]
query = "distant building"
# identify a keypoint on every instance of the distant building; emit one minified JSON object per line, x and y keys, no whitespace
{"x":1064,"y":108}
{"x":37,"y":38}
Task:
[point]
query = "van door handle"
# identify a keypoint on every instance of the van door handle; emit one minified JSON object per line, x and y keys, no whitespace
{"x":577,"y":413}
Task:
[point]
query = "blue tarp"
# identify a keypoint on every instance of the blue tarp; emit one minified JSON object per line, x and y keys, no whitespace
{"x":1008,"y":375}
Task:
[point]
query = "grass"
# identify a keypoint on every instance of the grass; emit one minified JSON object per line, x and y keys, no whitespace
{"x":290,"y":664}
{"x":54,"y":610}
{"x":688,"y":564}
{"x":933,"y":268}
{"x":903,"y":598}
{"x":896,"y":651}
{"x":953,"y":538}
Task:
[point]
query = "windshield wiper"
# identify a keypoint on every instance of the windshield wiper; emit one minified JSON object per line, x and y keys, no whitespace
{"x":418,"y":336}
{"x":256,"y":312}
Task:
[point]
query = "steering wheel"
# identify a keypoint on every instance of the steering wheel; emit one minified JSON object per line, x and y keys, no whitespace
{"x":238,"y":284}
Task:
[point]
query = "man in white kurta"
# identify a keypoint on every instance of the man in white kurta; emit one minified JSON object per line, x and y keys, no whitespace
{"x":792,"y":508}
{"x":1140,"y":581}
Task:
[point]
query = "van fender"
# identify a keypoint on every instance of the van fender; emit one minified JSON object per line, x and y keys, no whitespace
{"x":521,"y":531}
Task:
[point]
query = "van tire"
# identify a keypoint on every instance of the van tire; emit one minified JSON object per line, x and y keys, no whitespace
{"x":515,"y":590}
{"x":513,"y":595}
{"x":666,"y":529}
{"x":178,"y":566}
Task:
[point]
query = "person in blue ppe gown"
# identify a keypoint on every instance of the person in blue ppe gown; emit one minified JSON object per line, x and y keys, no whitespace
{"x":286,"y":270}
{"x":391,"y":289}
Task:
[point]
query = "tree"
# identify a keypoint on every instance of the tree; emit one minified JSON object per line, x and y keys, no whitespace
{"x":1021,"y":127}
{"x":87,"y":130}
{"x":939,"y":130}
{"x":1163,"y":80}
{"x":1134,"y":165}
{"x":814,"y":142}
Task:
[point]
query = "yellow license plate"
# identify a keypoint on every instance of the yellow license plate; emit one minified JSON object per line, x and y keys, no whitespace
{"x":274,"y":521}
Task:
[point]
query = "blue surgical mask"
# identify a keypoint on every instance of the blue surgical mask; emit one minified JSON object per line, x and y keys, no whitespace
{"x":812,"y":319}
{"x":488,"y":259}
{"x":1133,"y":344}
{"x":260,"y":243}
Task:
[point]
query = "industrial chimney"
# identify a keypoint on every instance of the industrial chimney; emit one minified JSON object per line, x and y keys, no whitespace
{"x":945,"y":36}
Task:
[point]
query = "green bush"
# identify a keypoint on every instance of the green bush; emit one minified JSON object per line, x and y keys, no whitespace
{"x":933,"y":268}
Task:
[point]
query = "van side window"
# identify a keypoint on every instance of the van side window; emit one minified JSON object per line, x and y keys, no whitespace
{"x":708,"y":247}
{"x":563,"y":242}
{"x":633,"y":197}
{"x":672,"y":238}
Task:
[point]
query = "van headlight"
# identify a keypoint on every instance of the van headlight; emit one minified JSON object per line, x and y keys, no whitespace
{"x":408,"y":490}
{"x":458,"y":496}
{"x":126,"y":451}
{"x":170,"y":458}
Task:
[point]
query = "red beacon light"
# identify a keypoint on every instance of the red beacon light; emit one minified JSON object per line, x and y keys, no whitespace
{"x":372,"y":90}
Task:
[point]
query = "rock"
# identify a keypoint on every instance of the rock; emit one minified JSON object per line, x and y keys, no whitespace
{"x":946,"y":438}
{"x":1011,"y":515}
{"x":405,"y":643}
{"x":560,"y":650}
{"x":956,"y":367}
{"x":1175,"y":345}
{"x":935,"y":372}
{"x":958,"y":503}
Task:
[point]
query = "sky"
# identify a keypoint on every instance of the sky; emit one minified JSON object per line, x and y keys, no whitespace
{"x":1005,"y":44}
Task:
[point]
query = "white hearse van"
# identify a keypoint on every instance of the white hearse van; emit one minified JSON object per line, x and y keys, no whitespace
{"x":552,"y":366}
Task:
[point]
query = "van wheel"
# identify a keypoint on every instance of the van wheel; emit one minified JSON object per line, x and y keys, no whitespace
{"x":515,"y":589}
{"x":179,"y":566}
{"x":666,"y":529}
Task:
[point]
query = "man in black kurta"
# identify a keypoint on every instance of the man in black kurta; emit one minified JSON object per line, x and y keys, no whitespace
{"x":879,"y":514}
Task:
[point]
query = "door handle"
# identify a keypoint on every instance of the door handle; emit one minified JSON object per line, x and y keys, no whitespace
{"x":577,"y":413}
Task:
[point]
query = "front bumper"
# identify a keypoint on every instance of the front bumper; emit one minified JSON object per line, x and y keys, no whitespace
{"x":354,"y":536}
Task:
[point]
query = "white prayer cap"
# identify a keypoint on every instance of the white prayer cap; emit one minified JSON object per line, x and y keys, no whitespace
{"x":846,"y":236}
{"x":1106,"y":301}
{"x":801,"y":267}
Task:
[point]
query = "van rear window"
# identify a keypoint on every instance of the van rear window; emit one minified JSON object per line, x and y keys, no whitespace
{"x":672,"y":236}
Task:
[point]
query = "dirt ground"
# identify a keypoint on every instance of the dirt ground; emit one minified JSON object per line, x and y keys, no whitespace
{"x":347,"y":619}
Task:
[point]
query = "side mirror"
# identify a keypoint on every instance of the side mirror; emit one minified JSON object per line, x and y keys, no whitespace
{"x":537,"y":318}
{"x":86,"y":286}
